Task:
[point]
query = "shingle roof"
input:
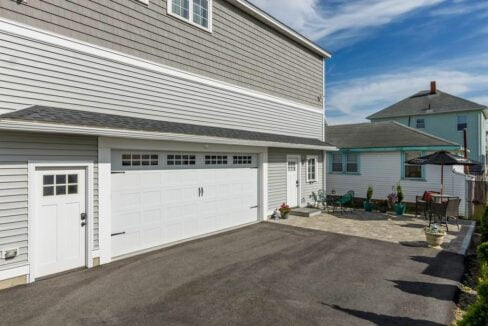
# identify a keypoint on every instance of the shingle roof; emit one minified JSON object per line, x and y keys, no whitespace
{"x":45,"y":114}
{"x":380,"y":135}
{"x":426,"y":103}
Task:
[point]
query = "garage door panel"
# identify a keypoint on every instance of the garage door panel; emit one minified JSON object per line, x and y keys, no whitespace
{"x":164,"y":205}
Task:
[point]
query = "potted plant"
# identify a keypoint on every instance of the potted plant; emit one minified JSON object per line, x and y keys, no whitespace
{"x":284,"y":210}
{"x":434,"y":236}
{"x":368,"y":205}
{"x":383,"y":206}
{"x":400,"y":205}
{"x":391,"y":200}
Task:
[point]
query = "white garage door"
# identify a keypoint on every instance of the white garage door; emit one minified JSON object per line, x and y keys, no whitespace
{"x":160,"y":198}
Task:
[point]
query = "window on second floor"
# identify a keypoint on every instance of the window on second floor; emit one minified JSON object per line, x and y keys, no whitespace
{"x":462,"y":122}
{"x":420,"y":124}
{"x":195,"y":12}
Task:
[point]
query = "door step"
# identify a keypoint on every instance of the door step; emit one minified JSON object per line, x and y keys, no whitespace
{"x":306,"y":212}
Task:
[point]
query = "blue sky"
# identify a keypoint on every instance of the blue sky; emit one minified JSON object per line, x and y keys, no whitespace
{"x":386,"y":50}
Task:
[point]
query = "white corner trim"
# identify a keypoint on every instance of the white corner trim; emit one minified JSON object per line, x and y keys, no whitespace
{"x":39,"y":35}
{"x":104,"y":204}
{"x":14,"y":272}
{"x":32,"y":198}
{"x":81,"y":130}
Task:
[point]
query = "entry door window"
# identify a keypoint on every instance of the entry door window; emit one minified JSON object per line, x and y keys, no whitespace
{"x":59,"y":184}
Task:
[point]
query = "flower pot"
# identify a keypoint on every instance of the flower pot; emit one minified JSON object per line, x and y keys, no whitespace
{"x":284,"y":215}
{"x":368,"y":207}
{"x":400,"y":209}
{"x":434,"y":240}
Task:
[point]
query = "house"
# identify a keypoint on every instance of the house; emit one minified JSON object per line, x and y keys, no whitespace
{"x":136,"y":124}
{"x":443,"y":115}
{"x":375,"y":154}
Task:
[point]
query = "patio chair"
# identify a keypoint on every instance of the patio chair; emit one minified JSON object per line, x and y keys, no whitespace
{"x":344,"y":201}
{"x":446,"y":210}
{"x":320,"y":198}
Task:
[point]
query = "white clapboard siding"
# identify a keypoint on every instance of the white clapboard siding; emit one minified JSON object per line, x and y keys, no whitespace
{"x":36,"y":73}
{"x":277,"y":169}
{"x":16,"y":149}
{"x":382,"y":170}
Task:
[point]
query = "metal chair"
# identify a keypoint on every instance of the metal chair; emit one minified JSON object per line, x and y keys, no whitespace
{"x":319,"y":198}
{"x":421,"y":202}
{"x":344,"y":201}
{"x":445,"y":211}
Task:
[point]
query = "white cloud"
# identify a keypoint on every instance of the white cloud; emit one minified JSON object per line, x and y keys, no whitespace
{"x":340,"y":21}
{"x":461,"y":8}
{"x":352,"y":101}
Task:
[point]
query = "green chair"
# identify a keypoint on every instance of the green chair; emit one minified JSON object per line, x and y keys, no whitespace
{"x":344,"y":201}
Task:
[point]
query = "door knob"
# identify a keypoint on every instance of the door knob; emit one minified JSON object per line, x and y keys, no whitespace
{"x":83,"y":224}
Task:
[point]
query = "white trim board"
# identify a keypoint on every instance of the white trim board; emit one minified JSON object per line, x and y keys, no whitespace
{"x":32,"y":196}
{"x":82,"y":130}
{"x":39,"y":35}
{"x":14,"y":272}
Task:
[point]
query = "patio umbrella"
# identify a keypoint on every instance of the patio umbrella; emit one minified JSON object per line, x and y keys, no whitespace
{"x":442,"y":158}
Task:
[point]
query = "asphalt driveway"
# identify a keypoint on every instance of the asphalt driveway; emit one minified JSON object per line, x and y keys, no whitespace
{"x":264,"y":274}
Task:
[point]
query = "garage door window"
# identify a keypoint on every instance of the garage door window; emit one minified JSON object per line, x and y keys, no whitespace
{"x":216,"y":160}
{"x":242,"y":159}
{"x":183,"y":159}
{"x":140,"y":159}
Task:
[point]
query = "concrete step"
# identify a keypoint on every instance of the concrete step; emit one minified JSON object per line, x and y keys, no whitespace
{"x":306,"y":212}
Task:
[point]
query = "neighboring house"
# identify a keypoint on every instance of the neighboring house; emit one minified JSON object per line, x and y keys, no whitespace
{"x":130,"y":125}
{"x":442,"y":115}
{"x":375,"y":154}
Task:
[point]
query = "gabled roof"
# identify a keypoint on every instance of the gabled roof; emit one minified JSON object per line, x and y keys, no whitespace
{"x":274,"y":23}
{"x":426,"y":103}
{"x":77,"y":118}
{"x":388,"y":134}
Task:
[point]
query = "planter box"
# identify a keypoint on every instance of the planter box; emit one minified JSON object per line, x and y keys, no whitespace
{"x":434,"y":240}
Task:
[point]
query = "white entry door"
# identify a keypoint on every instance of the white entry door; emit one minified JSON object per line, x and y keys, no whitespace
{"x":292,"y":181}
{"x":60,"y":221}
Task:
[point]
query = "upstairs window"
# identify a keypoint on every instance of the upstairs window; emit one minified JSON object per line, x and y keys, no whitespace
{"x":195,"y":12}
{"x":420,"y":123}
{"x":462,"y":122}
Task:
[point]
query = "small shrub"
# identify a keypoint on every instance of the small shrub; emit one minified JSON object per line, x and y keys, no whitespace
{"x":399,"y":192}
{"x":483,"y":252}
{"x":482,"y":290}
{"x":484,"y":226}
{"x":369,"y":194}
{"x":477,"y":315}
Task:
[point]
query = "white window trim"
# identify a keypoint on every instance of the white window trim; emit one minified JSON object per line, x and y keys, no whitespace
{"x":146,"y":2}
{"x":316,"y":158}
{"x":190,"y":17}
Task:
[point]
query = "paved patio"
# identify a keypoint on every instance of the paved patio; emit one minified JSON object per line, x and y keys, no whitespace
{"x":406,"y":230}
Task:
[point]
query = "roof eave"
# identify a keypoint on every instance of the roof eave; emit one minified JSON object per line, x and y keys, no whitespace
{"x":29,"y":126}
{"x":279,"y":26}
{"x":401,"y":148}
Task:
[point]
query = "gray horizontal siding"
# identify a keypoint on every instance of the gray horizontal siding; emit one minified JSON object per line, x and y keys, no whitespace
{"x":241,"y":50}
{"x":36,"y":73}
{"x":277,"y":178}
{"x":16,"y":149}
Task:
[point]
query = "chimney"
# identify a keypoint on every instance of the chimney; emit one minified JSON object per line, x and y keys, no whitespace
{"x":433,"y":87}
